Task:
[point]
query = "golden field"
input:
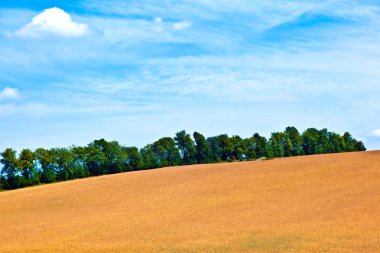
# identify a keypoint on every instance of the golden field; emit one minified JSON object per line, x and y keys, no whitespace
{"x":325,"y":203}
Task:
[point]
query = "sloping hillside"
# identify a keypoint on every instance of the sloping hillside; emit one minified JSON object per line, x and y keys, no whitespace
{"x":326,"y":203}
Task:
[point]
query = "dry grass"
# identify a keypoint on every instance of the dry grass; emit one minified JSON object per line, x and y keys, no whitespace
{"x":327,"y":203}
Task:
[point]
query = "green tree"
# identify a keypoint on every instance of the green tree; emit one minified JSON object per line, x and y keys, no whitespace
{"x":310,"y":141}
{"x":9,"y":173}
{"x":227,"y":147}
{"x":26,"y":165}
{"x":115,"y":157}
{"x":46,"y":159}
{"x":134,"y":160}
{"x":360,"y":146}
{"x":256,"y":147}
{"x":281,"y":145}
{"x":64,"y":163}
{"x":238,"y":153}
{"x":103,"y":157}
{"x":216,"y":148}
{"x":350,"y":142}
{"x":186,"y":147}
{"x":249,"y":148}
{"x":110,"y":157}
{"x":95,"y":161}
{"x":78,"y":162}
{"x":204,"y":153}
{"x":262,"y":146}
{"x":166,"y":152}
{"x":324,"y":146}
{"x":150,"y":159}
{"x":296,"y":140}
{"x":336,"y":143}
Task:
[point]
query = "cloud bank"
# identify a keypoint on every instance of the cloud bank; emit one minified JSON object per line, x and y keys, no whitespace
{"x":53,"y":21}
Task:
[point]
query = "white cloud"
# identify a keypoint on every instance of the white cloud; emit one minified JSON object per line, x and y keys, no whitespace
{"x":376,"y":132}
{"x":158,"y":20}
{"x":53,"y":21}
{"x":9,"y":94}
{"x":182,"y":25}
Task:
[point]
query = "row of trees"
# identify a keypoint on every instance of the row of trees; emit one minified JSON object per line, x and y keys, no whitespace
{"x":108,"y":157}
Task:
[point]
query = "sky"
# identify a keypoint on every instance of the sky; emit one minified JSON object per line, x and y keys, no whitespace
{"x":138,"y":70}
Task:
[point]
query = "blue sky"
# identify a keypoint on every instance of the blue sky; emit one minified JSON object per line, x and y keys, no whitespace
{"x":135,"y":71}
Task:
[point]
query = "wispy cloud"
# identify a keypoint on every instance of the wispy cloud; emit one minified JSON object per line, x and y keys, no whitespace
{"x":207,"y":10}
{"x":376,"y":132}
{"x":9,"y":94}
{"x":182,"y":25}
{"x":270,"y":63}
{"x":53,"y":21}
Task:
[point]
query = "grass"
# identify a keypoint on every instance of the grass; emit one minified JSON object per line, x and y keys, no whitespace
{"x":326,"y":203}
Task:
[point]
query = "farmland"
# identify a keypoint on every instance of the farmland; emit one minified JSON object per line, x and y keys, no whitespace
{"x":322,"y":203}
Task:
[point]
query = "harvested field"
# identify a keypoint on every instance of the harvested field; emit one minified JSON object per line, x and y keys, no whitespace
{"x":325,"y":203}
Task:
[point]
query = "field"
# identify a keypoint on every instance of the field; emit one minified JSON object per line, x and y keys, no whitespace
{"x":325,"y":203}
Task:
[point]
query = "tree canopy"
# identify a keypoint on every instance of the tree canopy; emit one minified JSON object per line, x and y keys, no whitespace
{"x":102,"y":157}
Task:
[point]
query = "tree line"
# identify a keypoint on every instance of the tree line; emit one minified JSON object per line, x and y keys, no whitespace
{"x":102,"y":157}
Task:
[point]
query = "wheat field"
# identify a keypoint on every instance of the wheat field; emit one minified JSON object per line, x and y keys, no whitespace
{"x":325,"y":203}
